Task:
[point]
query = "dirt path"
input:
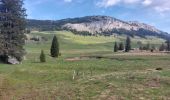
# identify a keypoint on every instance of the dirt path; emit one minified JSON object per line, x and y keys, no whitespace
{"x":114,"y":56}
{"x":142,"y":54}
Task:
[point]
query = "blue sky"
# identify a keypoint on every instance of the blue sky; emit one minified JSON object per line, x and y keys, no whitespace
{"x":153,"y":12}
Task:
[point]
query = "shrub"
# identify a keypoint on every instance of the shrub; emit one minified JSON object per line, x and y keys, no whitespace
{"x":121,"y":46}
{"x":42,"y":56}
{"x":115,"y":47}
{"x":159,"y":68}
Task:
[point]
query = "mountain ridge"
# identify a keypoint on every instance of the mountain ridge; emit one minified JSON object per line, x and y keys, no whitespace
{"x":99,"y":25}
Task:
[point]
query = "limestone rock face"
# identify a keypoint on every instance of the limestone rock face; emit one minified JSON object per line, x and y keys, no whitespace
{"x":104,"y":23}
{"x":13,"y":60}
{"x":100,"y":25}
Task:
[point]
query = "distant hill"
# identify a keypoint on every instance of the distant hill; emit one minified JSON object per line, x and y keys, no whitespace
{"x":98,"y":25}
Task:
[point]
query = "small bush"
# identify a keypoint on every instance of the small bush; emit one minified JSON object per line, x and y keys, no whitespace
{"x":159,"y":68}
{"x":42,"y":56}
{"x":35,"y":39}
{"x":115,"y":47}
{"x":44,"y":38}
{"x":59,"y":54}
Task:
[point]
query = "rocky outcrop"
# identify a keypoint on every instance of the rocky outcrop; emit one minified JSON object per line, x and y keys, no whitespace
{"x":98,"y":24}
{"x":103,"y":25}
{"x":9,"y":60}
{"x":12,"y":60}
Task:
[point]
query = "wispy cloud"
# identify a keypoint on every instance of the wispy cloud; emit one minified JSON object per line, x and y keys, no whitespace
{"x":68,"y":1}
{"x":147,"y":2}
{"x":160,"y":5}
{"x":108,"y":3}
{"x":157,"y":5}
{"x":131,"y":1}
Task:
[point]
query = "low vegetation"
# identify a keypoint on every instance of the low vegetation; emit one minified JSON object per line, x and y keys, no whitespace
{"x":86,"y":71}
{"x":81,"y":65}
{"x":42,"y":56}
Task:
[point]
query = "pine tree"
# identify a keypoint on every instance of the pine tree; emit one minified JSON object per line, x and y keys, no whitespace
{"x":153,"y":48}
{"x":128,"y":45}
{"x":42,"y":56}
{"x":148,"y":46}
{"x":12,"y":26}
{"x":140,"y":48}
{"x":121,"y":46}
{"x":55,"y":47}
{"x":162,"y":47}
{"x":115,"y":47}
{"x":168,"y":45}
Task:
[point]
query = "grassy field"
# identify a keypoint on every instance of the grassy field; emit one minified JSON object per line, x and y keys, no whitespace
{"x":124,"y":77}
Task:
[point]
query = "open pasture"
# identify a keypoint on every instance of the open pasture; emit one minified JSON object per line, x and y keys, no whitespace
{"x":124,"y":77}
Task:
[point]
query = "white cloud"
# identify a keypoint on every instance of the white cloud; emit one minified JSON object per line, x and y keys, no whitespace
{"x":147,"y":2}
{"x":161,"y":6}
{"x":68,"y":1}
{"x":108,"y":3}
{"x":130,"y":1}
{"x":157,"y":5}
{"x":162,"y":9}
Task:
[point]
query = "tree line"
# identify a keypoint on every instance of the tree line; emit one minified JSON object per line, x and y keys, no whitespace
{"x":121,"y":47}
{"x":127,"y":47}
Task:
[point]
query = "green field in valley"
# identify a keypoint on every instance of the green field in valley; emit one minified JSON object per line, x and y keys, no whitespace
{"x":113,"y":77}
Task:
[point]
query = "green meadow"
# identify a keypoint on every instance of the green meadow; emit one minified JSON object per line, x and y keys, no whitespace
{"x":121,"y":77}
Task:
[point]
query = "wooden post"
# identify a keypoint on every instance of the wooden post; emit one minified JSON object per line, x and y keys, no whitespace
{"x":74,"y":74}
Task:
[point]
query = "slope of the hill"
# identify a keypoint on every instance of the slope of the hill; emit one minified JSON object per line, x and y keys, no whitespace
{"x":99,"y":25}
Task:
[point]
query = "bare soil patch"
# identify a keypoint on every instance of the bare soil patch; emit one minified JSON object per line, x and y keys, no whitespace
{"x":115,"y":56}
{"x":153,"y":83}
{"x":143,"y":54}
{"x":6,"y":91}
{"x":77,"y":58}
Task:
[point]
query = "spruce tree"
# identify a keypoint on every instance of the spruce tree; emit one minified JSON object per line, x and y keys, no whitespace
{"x":148,"y":46}
{"x":162,"y":47}
{"x":168,"y":45}
{"x":140,"y":48}
{"x":42,"y":56}
{"x":12,"y":26}
{"x":153,"y":48}
{"x":115,"y":47}
{"x":128,"y":44}
{"x":121,"y":46}
{"x":55,"y":47}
